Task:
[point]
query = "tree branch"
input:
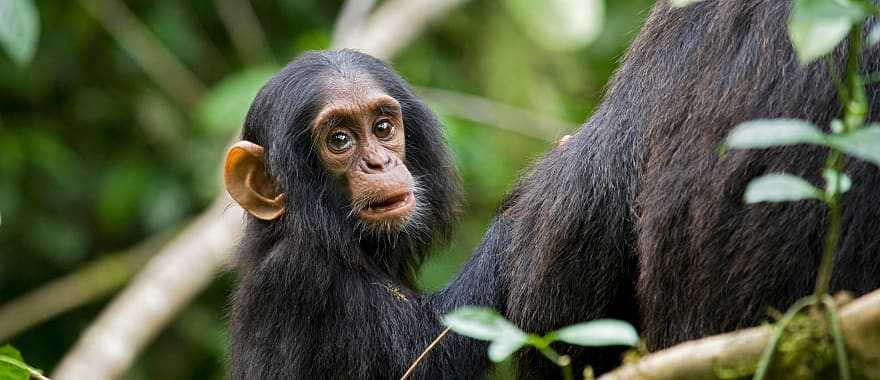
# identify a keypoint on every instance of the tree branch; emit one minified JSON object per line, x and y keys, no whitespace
{"x":90,"y":283}
{"x":351,"y":20}
{"x":699,"y":359}
{"x":168,"y":282}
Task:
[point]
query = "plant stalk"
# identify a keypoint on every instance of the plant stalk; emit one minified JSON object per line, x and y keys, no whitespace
{"x":855,"y":107}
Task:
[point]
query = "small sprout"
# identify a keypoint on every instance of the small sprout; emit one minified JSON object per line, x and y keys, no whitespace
{"x":486,"y":324}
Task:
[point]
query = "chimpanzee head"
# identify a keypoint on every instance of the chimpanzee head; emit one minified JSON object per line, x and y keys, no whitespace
{"x":336,"y":146}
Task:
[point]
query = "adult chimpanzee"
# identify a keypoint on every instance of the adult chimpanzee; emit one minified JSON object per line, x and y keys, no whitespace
{"x":635,"y":217}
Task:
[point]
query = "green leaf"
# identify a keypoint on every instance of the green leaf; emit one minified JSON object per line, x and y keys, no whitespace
{"x":773,"y":132}
{"x":780,"y":188}
{"x":224,"y":107}
{"x":502,"y":348}
{"x":863,"y":143}
{"x":816,"y":27}
{"x":601,"y":332}
{"x":19,"y":29}
{"x":12,"y":365}
{"x":482,"y":323}
{"x":682,"y":3}
{"x":832,"y":178}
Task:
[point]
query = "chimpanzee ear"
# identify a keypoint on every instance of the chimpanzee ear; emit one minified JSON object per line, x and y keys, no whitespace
{"x":248,"y":183}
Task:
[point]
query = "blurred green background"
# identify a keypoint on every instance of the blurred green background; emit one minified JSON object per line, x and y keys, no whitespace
{"x":97,"y":156}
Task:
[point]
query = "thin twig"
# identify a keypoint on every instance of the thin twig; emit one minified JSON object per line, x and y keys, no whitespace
{"x":424,"y":354}
{"x":499,"y":115}
{"x":244,"y":29}
{"x":145,"y":48}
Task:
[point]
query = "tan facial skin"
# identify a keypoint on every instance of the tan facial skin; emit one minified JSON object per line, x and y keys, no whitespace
{"x":359,"y":136}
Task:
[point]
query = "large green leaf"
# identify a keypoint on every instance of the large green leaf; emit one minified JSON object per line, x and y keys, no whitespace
{"x":601,"y":332}
{"x":863,"y":143}
{"x":780,"y":188}
{"x":773,"y":132}
{"x":19,"y":29}
{"x":223,"y":109}
{"x":816,"y":27}
{"x":12,"y":365}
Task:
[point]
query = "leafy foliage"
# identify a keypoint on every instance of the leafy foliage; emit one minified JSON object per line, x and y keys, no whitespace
{"x":486,"y":324}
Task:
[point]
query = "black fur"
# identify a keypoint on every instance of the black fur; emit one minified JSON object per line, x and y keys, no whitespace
{"x":636,"y":217}
{"x":320,"y":297}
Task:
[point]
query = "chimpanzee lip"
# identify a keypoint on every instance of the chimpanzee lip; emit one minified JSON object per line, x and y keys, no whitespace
{"x":392,"y":207}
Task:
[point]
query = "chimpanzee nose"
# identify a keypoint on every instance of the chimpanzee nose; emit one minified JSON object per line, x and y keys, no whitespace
{"x":376,"y":162}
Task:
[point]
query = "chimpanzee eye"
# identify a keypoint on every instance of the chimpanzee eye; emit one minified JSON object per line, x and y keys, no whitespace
{"x":383,"y":129}
{"x":339,"y":142}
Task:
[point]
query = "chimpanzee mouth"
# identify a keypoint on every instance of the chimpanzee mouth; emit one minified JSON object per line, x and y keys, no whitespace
{"x":394,"y":207}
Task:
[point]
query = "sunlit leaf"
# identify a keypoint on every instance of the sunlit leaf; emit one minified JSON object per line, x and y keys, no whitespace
{"x":12,"y":365}
{"x":601,"y":332}
{"x":773,"y":132}
{"x":560,"y":24}
{"x":19,"y":29}
{"x":833,"y":178}
{"x":780,"y":188}
{"x":223,"y":109}
{"x":863,"y":143}
{"x":682,"y":3}
{"x":482,"y":323}
{"x":816,"y":27}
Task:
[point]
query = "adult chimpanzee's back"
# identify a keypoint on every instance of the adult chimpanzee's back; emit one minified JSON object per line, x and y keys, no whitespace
{"x":639,"y":217}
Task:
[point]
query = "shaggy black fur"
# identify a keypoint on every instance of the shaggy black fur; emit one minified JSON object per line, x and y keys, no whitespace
{"x":637,"y":217}
{"x":639,"y":212}
{"x":321,"y":297}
